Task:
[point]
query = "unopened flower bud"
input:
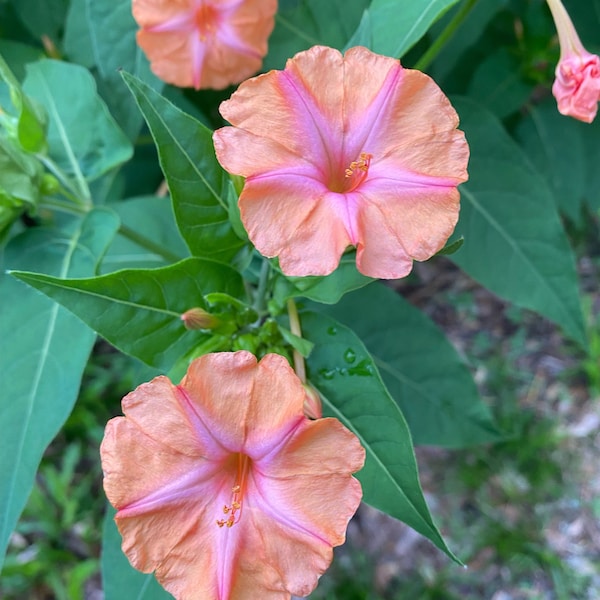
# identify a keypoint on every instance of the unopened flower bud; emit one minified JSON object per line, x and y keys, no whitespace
{"x":577,"y":84}
{"x":313,"y":408}
{"x":198,"y":318}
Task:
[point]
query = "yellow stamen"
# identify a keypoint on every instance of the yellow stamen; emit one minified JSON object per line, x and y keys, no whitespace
{"x":362,"y":164}
{"x":234,"y":510}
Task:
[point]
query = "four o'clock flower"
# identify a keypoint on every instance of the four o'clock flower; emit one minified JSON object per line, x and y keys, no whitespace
{"x":344,"y":150}
{"x":223,"y":487}
{"x":577,"y":84}
{"x":204,"y":43}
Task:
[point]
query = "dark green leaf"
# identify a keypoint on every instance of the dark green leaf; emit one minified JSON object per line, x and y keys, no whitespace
{"x":139,"y":310}
{"x":42,"y":17}
{"x":41,"y":366}
{"x":78,"y":43}
{"x":469,"y":32}
{"x":498,"y":85}
{"x":310,"y":23}
{"x":591,"y":142}
{"x":544,"y":134}
{"x":101,"y":33}
{"x":352,"y":390}
{"x":516,"y":245}
{"x":420,"y":368}
{"x":199,"y":186}
{"x":394,"y":27}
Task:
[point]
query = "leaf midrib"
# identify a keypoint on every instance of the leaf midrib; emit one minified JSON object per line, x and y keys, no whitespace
{"x":27,"y":276}
{"x":37,"y":378}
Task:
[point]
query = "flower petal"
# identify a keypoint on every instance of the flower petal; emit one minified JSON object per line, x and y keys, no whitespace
{"x":232,"y":395}
{"x":163,"y":414}
{"x":297,"y":219}
{"x":298,"y":521}
{"x":159,"y":493}
{"x":154,"y":12}
{"x":398,"y":224}
{"x":170,"y":56}
{"x":308,"y":451}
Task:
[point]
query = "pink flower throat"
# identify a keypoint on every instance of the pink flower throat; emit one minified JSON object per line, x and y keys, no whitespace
{"x":354,"y":174}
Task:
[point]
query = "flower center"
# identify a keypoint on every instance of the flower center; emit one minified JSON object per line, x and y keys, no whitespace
{"x":354,"y":174}
{"x":233,"y":511}
{"x":206,"y":19}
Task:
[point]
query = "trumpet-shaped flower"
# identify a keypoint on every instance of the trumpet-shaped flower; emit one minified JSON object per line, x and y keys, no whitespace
{"x":223,"y":487}
{"x":344,"y":150}
{"x":577,"y":84}
{"x":204,"y":43}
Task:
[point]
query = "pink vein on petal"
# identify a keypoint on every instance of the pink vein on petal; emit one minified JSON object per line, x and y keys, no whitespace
{"x":198,"y":425}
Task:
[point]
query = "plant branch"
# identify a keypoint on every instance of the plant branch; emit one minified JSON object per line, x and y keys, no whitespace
{"x":445,"y":36}
{"x":295,"y":328}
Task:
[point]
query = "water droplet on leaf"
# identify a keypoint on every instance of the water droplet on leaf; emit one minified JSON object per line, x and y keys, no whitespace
{"x":350,"y":356}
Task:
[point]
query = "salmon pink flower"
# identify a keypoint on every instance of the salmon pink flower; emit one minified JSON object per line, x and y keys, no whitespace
{"x":344,"y":150}
{"x":577,"y":84}
{"x":204,"y":43}
{"x":223,"y":487}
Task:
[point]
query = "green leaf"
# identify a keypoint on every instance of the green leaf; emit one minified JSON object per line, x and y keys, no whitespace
{"x":310,"y":23}
{"x":41,"y":367}
{"x":591,"y":141}
{"x":20,"y":175}
{"x":544,"y":134}
{"x":102,"y":33}
{"x":42,"y":17}
{"x":451,"y":247}
{"x":394,"y":27}
{"x":470,"y":31}
{"x":515,"y":242}
{"x":328,"y":289}
{"x":498,"y":84}
{"x":199,"y":186}
{"x":155,"y":241}
{"x":420,"y":368}
{"x":31,"y":121}
{"x":84,"y":140}
{"x":352,"y":390}
{"x":139,"y":310}
{"x":119,"y":579}
{"x":78,"y":44}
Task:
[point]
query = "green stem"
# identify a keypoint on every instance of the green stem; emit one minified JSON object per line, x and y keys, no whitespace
{"x":125,"y":231}
{"x":144,"y":242}
{"x":295,"y":328}
{"x":259,"y":299}
{"x":456,"y":21}
{"x":67,"y":207}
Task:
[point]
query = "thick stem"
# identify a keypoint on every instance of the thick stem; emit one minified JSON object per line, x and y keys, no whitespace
{"x":295,"y":328}
{"x":144,"y":242}
{"x":446,"y":34}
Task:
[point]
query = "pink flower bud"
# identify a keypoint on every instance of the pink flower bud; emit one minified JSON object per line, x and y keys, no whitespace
{"x":198,"y":318}
{"x":577,"y":84}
